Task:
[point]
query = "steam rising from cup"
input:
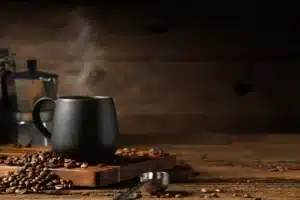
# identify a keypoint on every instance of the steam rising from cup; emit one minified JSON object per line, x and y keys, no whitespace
{"x":89,"y":59}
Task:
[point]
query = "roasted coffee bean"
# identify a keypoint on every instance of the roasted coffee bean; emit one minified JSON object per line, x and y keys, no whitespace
{"x":178,"y":196}
{"x":49,"y":184}
{"x":55,"y":181}
{"x":45,"y":169}
{"x":22,"y":191}
{"x":34,"y":189}
{"x":119,"y":152}
{"x":84,"y":165}
{"x":8,"y":190}
{"x":39,"y":166}
{"x":69,"y":165}
{"x":26,"y":183}
{"x":167,"y":195}
{"x":43,"y":174}
{"x":52,"y":165}
{"x":17,"y":190}
{"x":59,"y":187}
{"x":13,"y":188}
{"x":10,"y":179}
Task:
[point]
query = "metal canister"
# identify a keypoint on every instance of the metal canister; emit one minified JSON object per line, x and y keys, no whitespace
{"x":32,"y":85}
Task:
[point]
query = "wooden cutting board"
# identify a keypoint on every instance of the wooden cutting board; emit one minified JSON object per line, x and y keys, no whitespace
{"x":94,"y":176}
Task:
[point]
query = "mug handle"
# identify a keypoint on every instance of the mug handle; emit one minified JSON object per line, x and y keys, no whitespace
{"x":37,"y":118}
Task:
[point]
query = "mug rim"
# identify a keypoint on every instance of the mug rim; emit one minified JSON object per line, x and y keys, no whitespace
{"x":82,"y":98}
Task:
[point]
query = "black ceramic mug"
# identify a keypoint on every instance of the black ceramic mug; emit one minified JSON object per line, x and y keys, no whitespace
{"x":84,"y":127}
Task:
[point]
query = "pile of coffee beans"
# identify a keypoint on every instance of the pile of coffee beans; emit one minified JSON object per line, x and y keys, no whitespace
{"x":34,"y":174}
{"x":51,"y":160}
{"x":153,"y":152}
{"x":32,"y":178}
{"x":44,"y":159}
{"x":127,"y":152}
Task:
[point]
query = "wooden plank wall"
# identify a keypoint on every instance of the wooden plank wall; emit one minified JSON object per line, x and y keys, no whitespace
{"x":172,"y":82}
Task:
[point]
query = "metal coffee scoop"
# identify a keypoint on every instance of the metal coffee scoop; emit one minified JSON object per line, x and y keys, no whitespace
{"x":160,"y":177}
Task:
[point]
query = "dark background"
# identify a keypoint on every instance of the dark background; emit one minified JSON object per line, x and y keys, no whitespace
{"x":172,"y":67}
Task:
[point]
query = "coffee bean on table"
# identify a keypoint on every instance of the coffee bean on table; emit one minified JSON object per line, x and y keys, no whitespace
{"x":68,"y":165}
{"x":84,"y":165}
{"x":101,"y":165}
{"x":119,"y":152}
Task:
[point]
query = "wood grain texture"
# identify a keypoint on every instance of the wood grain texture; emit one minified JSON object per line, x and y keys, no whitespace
{"x":94,"y":176}
{"x":244,"y":152}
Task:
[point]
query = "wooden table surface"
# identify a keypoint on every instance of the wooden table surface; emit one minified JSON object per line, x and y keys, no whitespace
{"x":240,"y":167}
